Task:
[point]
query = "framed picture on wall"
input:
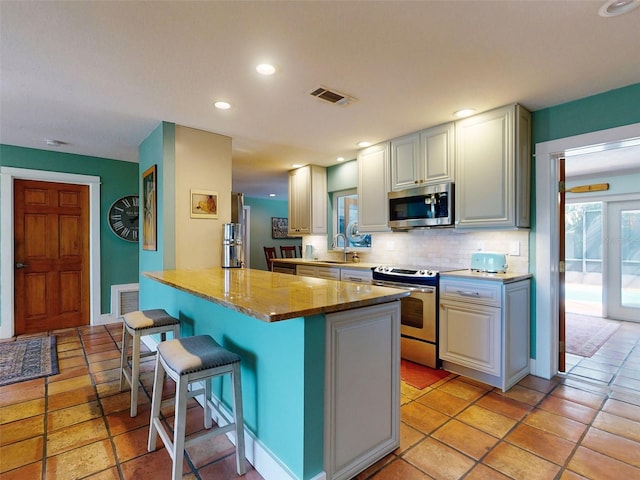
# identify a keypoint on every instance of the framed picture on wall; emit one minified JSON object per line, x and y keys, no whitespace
{"x":204,"y":204}
{"x":279,"y":227}
{"x":149,"y":209}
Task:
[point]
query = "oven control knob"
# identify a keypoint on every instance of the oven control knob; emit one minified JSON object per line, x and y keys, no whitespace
{"x":420,"y":272}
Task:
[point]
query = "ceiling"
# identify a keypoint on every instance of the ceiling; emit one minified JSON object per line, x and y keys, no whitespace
{"x":100,"y":76}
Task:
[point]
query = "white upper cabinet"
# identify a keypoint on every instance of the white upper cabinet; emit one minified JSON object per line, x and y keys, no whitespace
{"x":405,"y":162}
{"x":437,"y":147}
{"x":373,"y":187}
{"x":423,"y":158}
{"x":493,"y":169}
{"x":308,"y":201}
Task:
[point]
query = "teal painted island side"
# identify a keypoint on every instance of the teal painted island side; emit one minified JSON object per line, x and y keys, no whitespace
{"x":292,"y":333}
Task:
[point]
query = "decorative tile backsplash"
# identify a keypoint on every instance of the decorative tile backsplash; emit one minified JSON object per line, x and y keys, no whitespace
{"x":441,"y":248}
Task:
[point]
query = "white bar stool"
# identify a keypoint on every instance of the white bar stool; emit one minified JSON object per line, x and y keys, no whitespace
{"x":134,"y":326}
{"x":188,"y":360}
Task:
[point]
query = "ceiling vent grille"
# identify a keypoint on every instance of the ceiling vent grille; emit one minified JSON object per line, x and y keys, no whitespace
{"x":332,"y":96}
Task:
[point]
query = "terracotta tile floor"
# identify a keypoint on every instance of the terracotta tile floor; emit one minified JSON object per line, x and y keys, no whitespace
{"x":76,"y":424}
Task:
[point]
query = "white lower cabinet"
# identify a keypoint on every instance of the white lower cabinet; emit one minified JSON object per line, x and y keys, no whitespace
{"x":362,"y":388}
{"x":484,"y":329}
{"x":331,"y":273}
{"x":470,"y":336}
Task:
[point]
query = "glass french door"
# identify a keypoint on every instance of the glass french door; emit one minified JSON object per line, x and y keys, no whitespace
{"x":623,"y":251}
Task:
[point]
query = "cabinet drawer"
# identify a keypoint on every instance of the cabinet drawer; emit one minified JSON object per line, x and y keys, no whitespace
{"x":331,"y":273}
{"x":360,"y":276}
{"x":486,"y":293}
{"x":306,"y":271}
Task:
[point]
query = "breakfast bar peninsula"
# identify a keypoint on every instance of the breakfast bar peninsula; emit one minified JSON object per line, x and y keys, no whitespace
{"x":320,"y":363}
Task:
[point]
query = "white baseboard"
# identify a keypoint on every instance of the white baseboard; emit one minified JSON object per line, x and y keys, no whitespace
{"x":106,"y":318}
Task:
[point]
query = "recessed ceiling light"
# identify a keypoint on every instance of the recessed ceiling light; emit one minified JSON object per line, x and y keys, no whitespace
{"x":340,"y":159}
{"x":272,"y":194}
{"x":465,"y":112}
{"x":54,"y":143}
{"x":364,"y":144}
{"x":266,"y":69}
{"x":296,"y":165}
{"x":613,"y":8}
{"x":222,"y":105}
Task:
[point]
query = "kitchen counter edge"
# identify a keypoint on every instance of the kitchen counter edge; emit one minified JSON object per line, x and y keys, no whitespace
{"x":495,"y":277}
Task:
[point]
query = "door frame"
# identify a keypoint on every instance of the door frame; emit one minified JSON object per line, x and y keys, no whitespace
{"x":545,"y":364}
{"x":7,"y":261}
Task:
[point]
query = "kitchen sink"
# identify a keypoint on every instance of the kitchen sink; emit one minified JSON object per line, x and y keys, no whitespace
{"x":337,"y":262}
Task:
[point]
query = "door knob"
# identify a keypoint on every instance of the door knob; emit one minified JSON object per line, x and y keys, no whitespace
{"x":21,"y":265}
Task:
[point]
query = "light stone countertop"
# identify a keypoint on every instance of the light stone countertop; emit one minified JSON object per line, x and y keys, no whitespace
{"x":495,"y":277}
{"x":272,"y":297}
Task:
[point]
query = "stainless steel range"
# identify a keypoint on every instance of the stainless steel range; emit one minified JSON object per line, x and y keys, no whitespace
{"x":419,"y":311}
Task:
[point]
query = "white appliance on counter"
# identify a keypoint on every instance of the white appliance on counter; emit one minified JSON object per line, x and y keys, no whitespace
{"x":489,"y":262}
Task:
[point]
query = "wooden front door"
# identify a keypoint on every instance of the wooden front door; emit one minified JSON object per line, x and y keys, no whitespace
{"x":51,"y":252}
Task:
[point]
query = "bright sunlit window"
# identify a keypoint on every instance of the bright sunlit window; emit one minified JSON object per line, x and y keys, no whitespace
{"x":345,"y":216}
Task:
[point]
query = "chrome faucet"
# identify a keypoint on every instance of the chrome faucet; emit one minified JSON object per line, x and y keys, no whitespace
{"x":344,"y":238}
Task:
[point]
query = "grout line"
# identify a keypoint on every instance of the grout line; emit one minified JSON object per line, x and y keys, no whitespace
{"x":104,"y":416}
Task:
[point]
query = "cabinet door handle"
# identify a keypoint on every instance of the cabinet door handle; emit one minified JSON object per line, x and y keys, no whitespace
{"x":468,"y":293}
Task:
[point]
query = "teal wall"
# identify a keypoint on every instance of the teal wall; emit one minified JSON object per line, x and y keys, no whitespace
{"x":118,"y":259}
{"x":342,"y":176}
{"x":159,"y":149}
{"x":260,"y":236}
{"x":282,"y":375}
{"x":607,"y":110}
{"x":610,"y":109}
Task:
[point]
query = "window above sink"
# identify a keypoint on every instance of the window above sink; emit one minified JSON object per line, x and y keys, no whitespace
{"x":345,"y":222}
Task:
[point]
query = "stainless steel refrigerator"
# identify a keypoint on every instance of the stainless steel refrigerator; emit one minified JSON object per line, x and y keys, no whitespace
{"x":232,"y":236}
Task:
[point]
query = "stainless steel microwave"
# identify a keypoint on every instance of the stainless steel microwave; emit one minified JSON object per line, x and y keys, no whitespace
{"x":428,"y":206}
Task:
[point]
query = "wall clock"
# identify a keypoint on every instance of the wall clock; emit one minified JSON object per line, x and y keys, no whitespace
{"x":123,"y":217}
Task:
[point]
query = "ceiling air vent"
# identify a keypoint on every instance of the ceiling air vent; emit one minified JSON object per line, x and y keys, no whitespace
{"x":331,"y":96}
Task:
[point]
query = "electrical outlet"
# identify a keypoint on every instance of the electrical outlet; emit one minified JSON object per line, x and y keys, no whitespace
{"x":514,"y":248}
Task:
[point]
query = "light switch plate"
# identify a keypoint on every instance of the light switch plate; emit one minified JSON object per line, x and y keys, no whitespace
{"x":514,"y":248}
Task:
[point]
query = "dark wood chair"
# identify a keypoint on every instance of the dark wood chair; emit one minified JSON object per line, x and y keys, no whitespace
{"x":300,"y":250}
{"x":270,"y":254}
{"x":288,"y":251}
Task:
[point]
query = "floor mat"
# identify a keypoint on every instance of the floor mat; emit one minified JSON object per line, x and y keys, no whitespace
{"x":419,"y":376}
{"x":585,"y":334}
